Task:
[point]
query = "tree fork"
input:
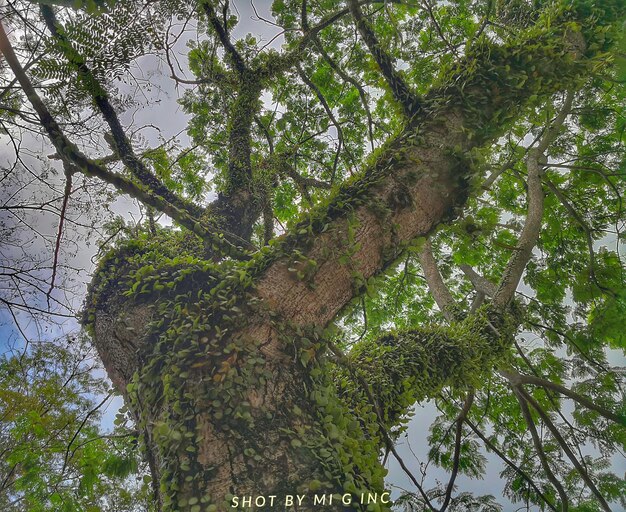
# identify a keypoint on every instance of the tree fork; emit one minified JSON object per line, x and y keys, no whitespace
{"x":237,"y":208}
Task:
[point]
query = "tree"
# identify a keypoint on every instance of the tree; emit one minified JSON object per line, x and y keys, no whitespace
{"x":384,"y":181}
{"x":54,"y":454}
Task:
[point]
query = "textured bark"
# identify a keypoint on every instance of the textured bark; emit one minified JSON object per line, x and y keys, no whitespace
{"x":420,"y":192}
{"x":416,"y":195}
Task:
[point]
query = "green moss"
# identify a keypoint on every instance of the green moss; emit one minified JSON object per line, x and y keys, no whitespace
{"x":145,"y":268}
{"x":406,"y":367}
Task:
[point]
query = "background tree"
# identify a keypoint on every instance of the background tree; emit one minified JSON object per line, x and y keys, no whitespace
{"x":387,"y":165}
{"x":54,"y":454}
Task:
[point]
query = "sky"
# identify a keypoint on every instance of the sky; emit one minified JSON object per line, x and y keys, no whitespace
{"x":80,"y":258}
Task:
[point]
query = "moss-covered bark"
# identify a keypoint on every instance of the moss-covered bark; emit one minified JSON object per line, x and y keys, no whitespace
{"x":236,"y":401}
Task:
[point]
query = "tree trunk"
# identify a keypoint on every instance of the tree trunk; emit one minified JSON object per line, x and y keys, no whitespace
{"x":219,"y":406}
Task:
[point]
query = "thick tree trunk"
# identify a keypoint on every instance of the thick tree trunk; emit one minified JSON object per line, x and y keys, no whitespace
{"x":227,"y":371}
{"x":238,"y":408}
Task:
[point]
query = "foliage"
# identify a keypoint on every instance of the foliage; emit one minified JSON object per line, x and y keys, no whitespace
{"x":55,"y":454}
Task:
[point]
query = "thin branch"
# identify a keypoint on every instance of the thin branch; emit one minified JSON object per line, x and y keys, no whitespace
{"x":586,"y":229}
{"x":539,"y":447}
{"x":438,"y":29}
{"x":75,"y":157}
{"x":329,"y":113}
{"x":518,"y":378}
{"x":57,"y":246}
{"x":553,"y":401}
{"x":121,"y":143}
{"x":457,"y":448}
{"x":399,"y":89}
{"x":80,"y":427}
{"x":344,"y":76}
{"x":572,"y":342}
{"x":557,"y":435}
{"x":280,"y":64}
{"x":480,"y":283}
{"x":510,"y":463}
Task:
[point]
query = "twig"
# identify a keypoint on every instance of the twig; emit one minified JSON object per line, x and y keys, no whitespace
{"x":57,"y":247}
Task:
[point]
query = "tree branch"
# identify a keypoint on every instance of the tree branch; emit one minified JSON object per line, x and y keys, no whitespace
{"x":80,"y":427}
{"x":57,"y":247}
{"x":518,"y":378}
{"x":491,"y":446}
{"x":399,"y":89}
{"x":100,"y":97}
{"x":457,"y":448}
{"x":415,"y":208}
{"x":222,"y":32}
{"x":403,"y":368}
{"x":329,"y":113}
{"x":539,"y":447}
{"x":71,"y":154}
{"x":438,"y":29}
{"x":480,"y":283}
{"x":557,"y":435}
{"x":418,"y":181}
{"x":303,"y":180}
{"x":347,"y":78}
{"x":586,"y":229}
{"x":437,"y":287}
{"x":535,"y":162}
{"x":381,"y":419}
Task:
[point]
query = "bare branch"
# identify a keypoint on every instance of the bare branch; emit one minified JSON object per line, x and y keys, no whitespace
{"x":437,"y":287}
{"x":80,"y":427}
{"x":480,"y":283}
{"x":535,"y":162}
{"x":57,"y":247}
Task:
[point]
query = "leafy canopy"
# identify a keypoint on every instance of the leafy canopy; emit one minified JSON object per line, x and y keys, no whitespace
{"x":56,"y":455}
